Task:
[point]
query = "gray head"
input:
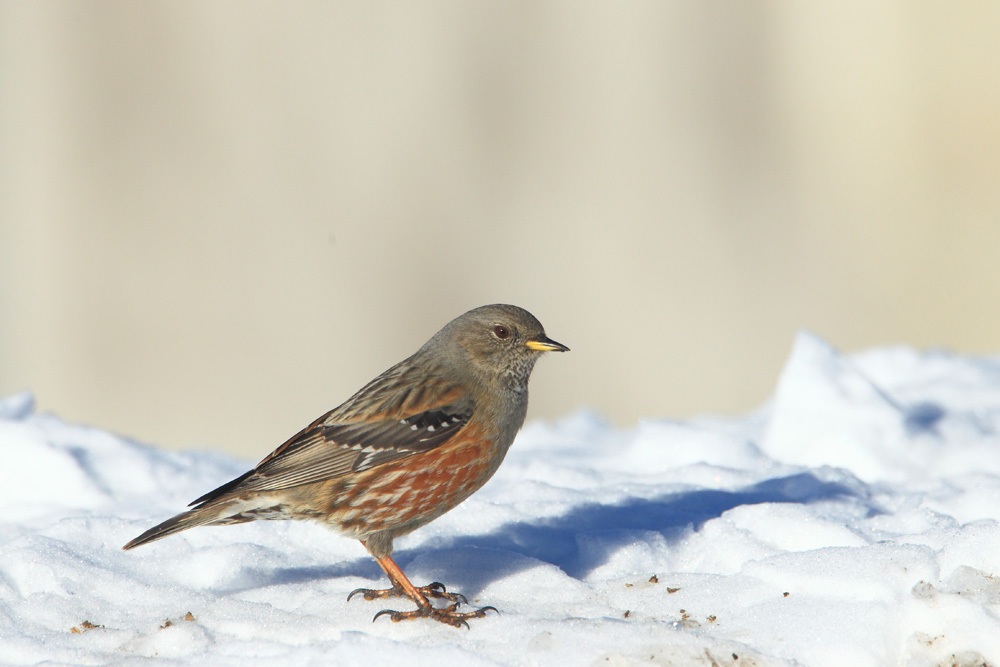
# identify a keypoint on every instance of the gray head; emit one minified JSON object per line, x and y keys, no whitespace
{"x":497,"y":342}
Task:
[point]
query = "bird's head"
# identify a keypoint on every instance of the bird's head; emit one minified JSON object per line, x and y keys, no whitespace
{"x":499,"y":342}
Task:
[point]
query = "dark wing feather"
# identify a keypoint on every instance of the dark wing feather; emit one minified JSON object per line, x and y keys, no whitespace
{"x":333,"y":450}
{"x":347,"y":440}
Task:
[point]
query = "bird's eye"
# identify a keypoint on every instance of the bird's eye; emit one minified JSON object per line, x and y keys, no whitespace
{"x":501,"y":332}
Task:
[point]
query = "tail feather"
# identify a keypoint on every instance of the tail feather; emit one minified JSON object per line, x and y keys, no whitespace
{"x":223,"y":490}
{"x":192,"y":518}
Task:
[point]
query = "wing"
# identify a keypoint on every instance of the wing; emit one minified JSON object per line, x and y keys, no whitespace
{"x":386,"y":421}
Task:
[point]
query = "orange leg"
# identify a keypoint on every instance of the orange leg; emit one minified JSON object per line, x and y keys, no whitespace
{"x":401,"y":587}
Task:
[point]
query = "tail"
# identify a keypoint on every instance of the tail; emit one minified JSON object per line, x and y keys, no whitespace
{"x":200,"y":516}
{"x":213,"y":507}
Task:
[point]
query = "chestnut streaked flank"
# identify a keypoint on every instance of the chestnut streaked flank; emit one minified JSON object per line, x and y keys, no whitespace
{"x":409,"y":446}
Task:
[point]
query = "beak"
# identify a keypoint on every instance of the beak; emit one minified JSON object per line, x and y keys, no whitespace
{"x":542,"y":343}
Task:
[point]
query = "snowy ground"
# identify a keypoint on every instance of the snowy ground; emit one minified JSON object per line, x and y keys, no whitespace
{"x":853,"y":521}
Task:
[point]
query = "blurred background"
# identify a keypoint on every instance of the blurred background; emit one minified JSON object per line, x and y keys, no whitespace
{"x":219,"y":220}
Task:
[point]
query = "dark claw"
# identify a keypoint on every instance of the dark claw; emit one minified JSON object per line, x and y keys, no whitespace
{"x":372,"y":594}
{"x":457,"y":598}
{"x":386,"y":611}
{"x":436,"y":589}
{"x":375,"y":594}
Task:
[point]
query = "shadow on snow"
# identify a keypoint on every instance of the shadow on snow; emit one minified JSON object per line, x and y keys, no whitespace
{"x":610,"y":527}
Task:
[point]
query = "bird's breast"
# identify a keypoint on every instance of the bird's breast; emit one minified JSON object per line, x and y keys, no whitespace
{"x":413,"y":491}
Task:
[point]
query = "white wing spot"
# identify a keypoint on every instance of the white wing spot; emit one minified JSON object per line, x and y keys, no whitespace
{"x":413,"y":428}
{"x":431,"y":428}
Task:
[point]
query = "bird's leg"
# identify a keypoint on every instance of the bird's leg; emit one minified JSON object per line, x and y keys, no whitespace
{"x":434,"y":589}
{"x":401,"y":587}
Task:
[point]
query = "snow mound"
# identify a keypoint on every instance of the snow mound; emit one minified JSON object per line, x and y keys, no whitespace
{"x":854,"y":521}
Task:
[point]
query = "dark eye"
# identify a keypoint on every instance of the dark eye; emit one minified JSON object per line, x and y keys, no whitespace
{"x":501,"y":332}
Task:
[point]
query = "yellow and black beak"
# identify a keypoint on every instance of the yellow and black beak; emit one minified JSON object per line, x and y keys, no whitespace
{"x":542,"y":343}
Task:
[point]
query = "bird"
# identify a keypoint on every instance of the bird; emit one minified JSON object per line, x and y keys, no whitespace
{"x":407,"y":447}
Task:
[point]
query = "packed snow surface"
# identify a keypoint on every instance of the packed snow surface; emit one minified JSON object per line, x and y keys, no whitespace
{"x":852,"y":521}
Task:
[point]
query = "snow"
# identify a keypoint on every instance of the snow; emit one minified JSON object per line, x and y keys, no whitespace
{"x":852,"y":521}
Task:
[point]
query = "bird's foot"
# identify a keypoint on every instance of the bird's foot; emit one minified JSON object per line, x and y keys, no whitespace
{"x":449,"y":615}
{"x":432,"y":590}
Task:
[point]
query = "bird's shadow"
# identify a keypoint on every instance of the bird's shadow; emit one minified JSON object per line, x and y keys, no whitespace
{"x":555,"y":540}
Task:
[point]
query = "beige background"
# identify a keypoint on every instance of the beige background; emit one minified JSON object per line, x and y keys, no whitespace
{"x":218,"y":220}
